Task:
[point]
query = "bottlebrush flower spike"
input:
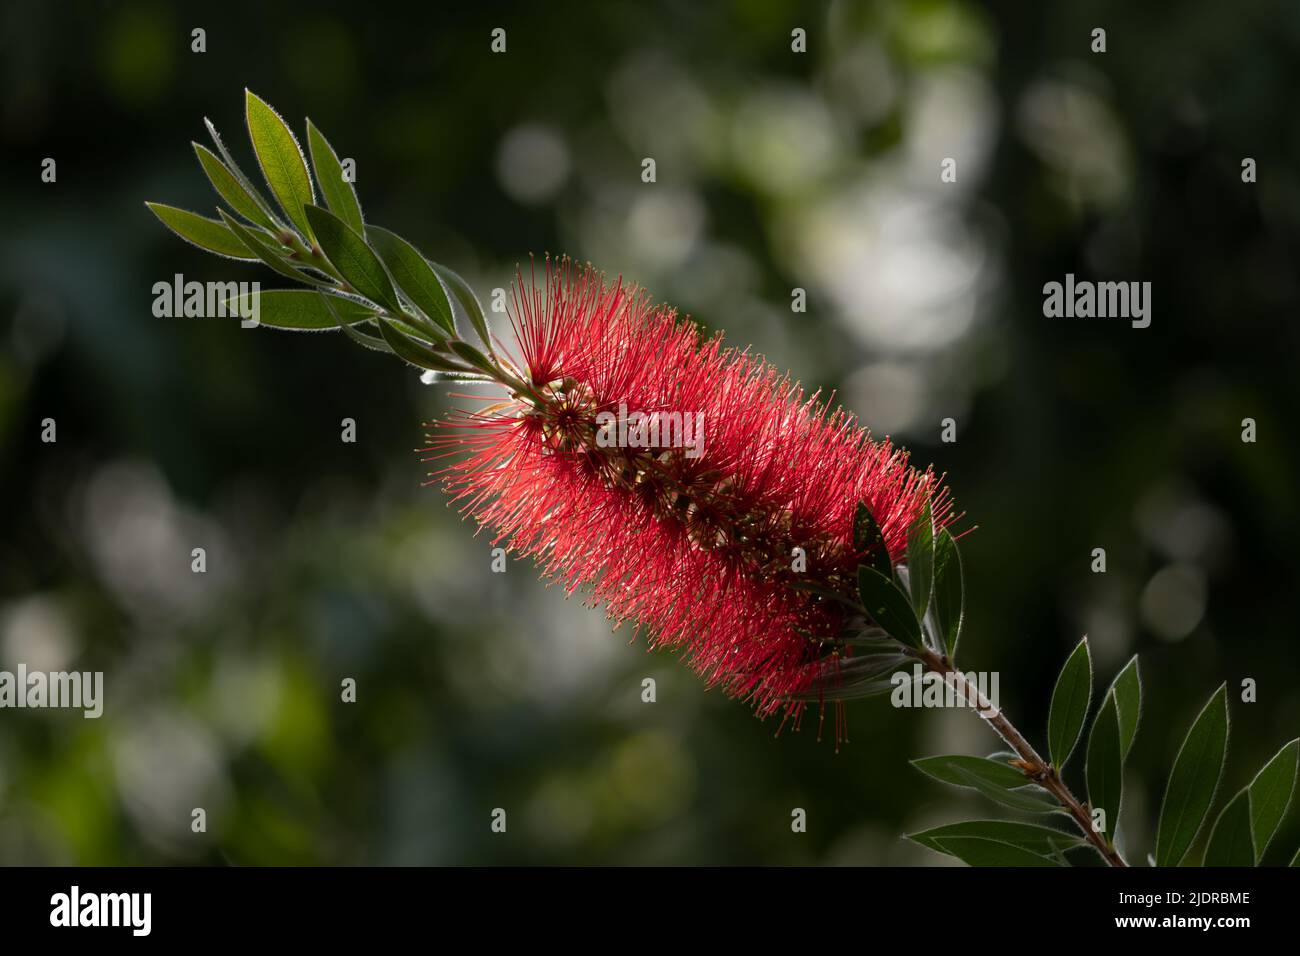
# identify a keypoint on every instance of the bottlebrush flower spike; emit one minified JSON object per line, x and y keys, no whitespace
{"x":694,"y":543}
{"x":728,"y":533}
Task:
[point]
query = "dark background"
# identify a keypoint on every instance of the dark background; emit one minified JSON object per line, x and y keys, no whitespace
{"x":775,"y":170}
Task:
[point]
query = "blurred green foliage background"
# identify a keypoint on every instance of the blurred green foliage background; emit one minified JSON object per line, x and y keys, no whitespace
{"x":775,"y":170}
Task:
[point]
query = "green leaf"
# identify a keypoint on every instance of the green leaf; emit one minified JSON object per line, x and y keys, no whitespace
{"x":920,"y":560}
{"x":414,"y":276}
{"x":416,"y":353}
{"x":300,"y":309}
{"x":1105,"y":766}
{"x":364,"y":339}
{"x":340,"y":194}
{"x":979,"y":851}
{"x":269,"y":255}
{"x":281,"y":159}
{"x":245,"y":183}
{"x":1069,"y":706}
{"x":1231,"y":842}
{"x":1127,"y":688}
{"x":998,"y":781}
{"x":231,"y":189}
{"x":355,"y":260}
{"x":949,"y":603}
{"x":950,"y":767}
{"x":208,"y":234}
{"x":468,"y":302}
{"x":888,"y":606}
{"x":474,"y":357}
{"x":1193,"y":780}
{"x":1270,"y":795}
{"x":1032,"y":837}
{"x":869,"y":540}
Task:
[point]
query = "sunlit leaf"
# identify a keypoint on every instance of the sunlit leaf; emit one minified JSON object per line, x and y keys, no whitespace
{"x":281,"y":159}
{"x":355,"y":260}
{"x":230,"y":189}
{"x":414,"y":352}
{"x":299,"y":309}
{"x":469,"y":302}
{"x":340,"y":194}
{"x":270,"y":255}
{"x":414,"y":276}
{"x":208,"y":234}
{"x":241,"y":177}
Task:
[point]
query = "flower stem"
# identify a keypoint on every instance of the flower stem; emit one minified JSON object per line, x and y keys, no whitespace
{"x":1034,"y":767}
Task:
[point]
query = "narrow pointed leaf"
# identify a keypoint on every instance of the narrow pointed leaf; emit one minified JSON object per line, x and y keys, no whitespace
{"x":1193,"y":781}
{"x":281,"y":159}
{"x":1028,"y":836}
{"x":888,"y":606}
{"x":1127,"y":688}
{"x":1270,"y":795}
{"x":231,"y":189}
{"x":1231,"y":841}
{"x":996,"y":780}
{"x":355,"y":260}
{"x":365,"y":339}
{"x":208,"y":234}
{"x":469,"y":302}
{"x":474,"y":357}
{"x":414,"y":352}
{"x":980,"y":851}
{"x":340,"y":194}
{"x":414,"y":276}
{"x":869,"y":541}
{"x":241,"y":177}
{"x":376,"y":343}
{"x":949,"y":767}
{"x":920,"y":560}
{"x":1029,"y":799}
{"x":1105,"y":766}
{"x":269,"y":255}
{"x":1069,"y":707}
{"x":300,"y":310}
{"x":949,"y":602}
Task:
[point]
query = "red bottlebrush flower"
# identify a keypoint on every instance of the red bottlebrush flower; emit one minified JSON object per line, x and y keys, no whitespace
{"x":693,"y":538}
